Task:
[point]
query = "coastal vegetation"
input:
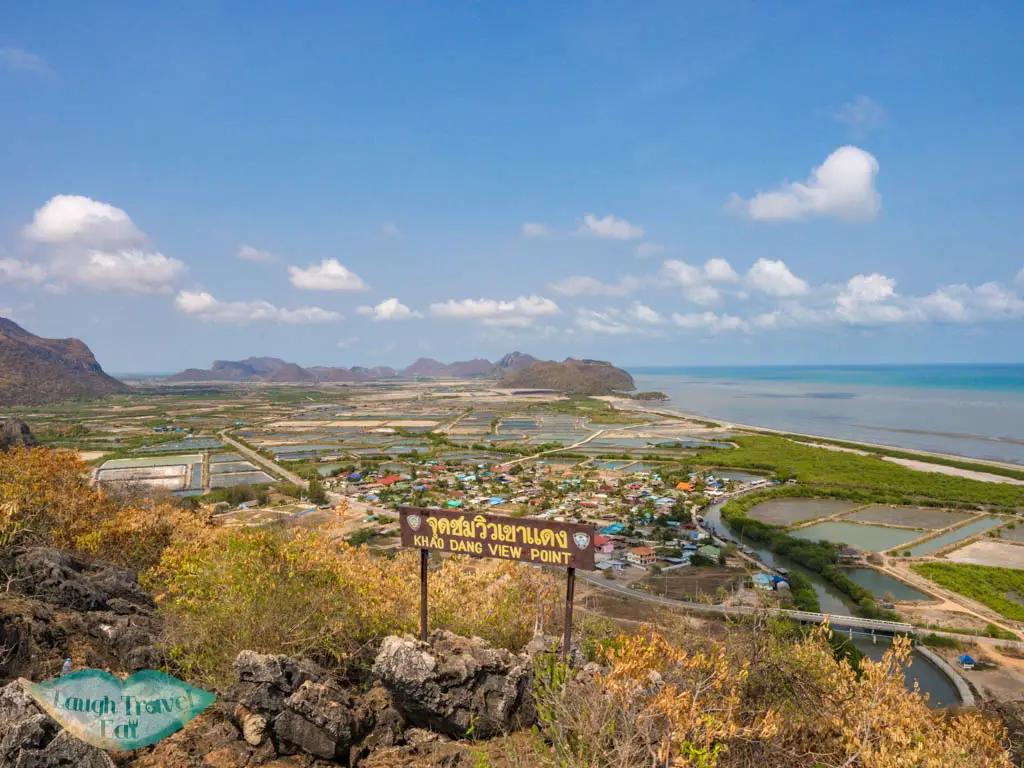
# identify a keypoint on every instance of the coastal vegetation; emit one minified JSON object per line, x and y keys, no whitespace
{"x":998,"y":588}
{"x":864,"y":478}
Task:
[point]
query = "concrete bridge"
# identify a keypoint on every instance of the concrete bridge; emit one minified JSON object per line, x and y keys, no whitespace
{"x":851,"y":622}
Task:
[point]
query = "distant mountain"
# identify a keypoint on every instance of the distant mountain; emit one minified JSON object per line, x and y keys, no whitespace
{"x":591,"y":376}
{"x":515,"y":361}
{"x":428,"y":368}
{"x":580,"y":377}
{"x":34,"y":370}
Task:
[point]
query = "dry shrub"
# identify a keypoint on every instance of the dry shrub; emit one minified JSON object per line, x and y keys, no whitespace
{"x":296,"y":592}
{"x":729,"y":705}
{"x":46,"y":499}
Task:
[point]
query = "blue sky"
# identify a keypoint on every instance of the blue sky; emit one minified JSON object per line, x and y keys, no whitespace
{"x":651,"y":183}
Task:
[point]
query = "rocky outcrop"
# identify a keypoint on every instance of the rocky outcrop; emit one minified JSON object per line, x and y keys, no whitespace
{"x":57,"y":600}
{"x":13,"y":432}
{"x":29,"y":738}
{"x":451,"y":684}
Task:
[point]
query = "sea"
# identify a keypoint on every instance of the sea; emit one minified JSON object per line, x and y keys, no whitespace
{"x":976,"y":411}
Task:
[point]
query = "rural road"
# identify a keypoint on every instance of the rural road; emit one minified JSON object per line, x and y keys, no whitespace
{"x":267,"y":464}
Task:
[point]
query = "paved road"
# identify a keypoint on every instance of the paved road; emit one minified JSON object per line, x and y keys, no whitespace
{"x":263,"y":461}
{"x":747,"y":611}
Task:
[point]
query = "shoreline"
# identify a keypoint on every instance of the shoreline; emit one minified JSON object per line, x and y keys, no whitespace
{"x":627,"y":404}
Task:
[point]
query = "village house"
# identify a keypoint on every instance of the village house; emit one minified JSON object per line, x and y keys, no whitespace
{"x":641,"y":556}
{"x":604,"y":544}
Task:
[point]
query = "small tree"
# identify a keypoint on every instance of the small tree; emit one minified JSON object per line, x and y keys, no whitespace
{"x":316,"y":493}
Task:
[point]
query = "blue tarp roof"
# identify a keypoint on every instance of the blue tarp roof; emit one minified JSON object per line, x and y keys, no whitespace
{"x":613,"y":529}
{"x":965,"y":659}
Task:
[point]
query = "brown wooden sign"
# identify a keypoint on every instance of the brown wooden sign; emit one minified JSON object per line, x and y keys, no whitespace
{"x":542,"y":542}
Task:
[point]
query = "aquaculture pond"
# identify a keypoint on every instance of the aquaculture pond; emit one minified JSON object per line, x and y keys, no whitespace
{"x":872,"y":538}
{"x":611,"y":465}
{"x":951,"y":537}
{"x":739,"y":477}
{"x":793,"y":511}
{"x":882,"y":584}
{"x":911,"y":517}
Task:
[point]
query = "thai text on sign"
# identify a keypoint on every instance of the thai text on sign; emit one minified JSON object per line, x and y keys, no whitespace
{"x":569,"y":545}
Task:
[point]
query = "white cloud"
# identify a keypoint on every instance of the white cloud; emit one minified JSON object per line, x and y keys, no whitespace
{"x":390,"y":229}
{"x":775,"y":279}
{"x":646,"y":250}
{"x":843,"y":186}
{"x":351,"y":341}
{"x":519,"y":312}
{"x":82,"y":221}
{"x":611,"y":228}
{"x":589,"y":286}
{"x":534,"y":229}
{"x":18,"y":58}
{"x":131,"y":270}
{"x":862,"y":114}
{"x":249,"y":253}
{"x":861,"y":301}
{"x":644,"y":314}
{"x":601,"y":322}
{"x":94,"y":244}
{"x":328,"y":275}
{"x":389,"y":309}
{"x":710,"y":322}
{"x":697,"y":282}
{"x":203,"y":306}
{"x":720,"y":271}
{"x":17,"y":271}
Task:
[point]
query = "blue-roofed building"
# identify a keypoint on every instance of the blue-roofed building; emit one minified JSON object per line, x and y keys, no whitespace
{"x":613,"y":529}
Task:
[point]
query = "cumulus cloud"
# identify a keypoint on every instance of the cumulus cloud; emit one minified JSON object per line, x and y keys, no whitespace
{"x":249,"y":253}
{"x":389,"y":309}
{"x":775,"y":279}
{"x":710,"y":322}
{"x":589,"y":286}
{"x":534,"y":229}
{"x":96,"y":245}
{"x":328,"y":275}
{"x":861,"y":114}
{"x":23,"y":272}
{"x":203,"y":306}
{"x":20,"y":59}
{"x":606,"y":323}
{"x":519,"y":312}
{"x":842,"y":187}
{"x":646,"y":250}
{"x":697,"y":283}
{"x":644,"y":314}
{"x":610,"y":227}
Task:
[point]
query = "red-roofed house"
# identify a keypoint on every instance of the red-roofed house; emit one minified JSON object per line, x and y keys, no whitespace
{"x":389,"y":480}
{"x":641,"y":556}
{"x":604,"y":544}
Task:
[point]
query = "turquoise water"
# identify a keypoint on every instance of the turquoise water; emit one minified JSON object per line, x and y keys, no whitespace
{"x":975,"y":411}
{"x":881,"y":584}
{"x":872,"y":538}
{"x":990,"y":378}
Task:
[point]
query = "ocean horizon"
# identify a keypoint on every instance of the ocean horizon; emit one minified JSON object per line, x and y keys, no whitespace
{"x":970,"y":410}
{"x":995,"y":377}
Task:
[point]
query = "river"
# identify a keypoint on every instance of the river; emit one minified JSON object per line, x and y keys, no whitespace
{"x":940,"y":690}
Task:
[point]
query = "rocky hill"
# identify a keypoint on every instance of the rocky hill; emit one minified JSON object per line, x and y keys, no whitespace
{"x":34,"y":370}
{"x":272,"y":369}
{"x":578,"y":377}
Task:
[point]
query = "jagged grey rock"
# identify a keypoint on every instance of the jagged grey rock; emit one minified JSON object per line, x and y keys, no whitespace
{"x":451,"y":684}
{"x":71,"y":582}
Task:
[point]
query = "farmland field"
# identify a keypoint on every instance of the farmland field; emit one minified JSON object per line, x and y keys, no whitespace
{"x":1001,"y":589}
{"x":911,"y":517}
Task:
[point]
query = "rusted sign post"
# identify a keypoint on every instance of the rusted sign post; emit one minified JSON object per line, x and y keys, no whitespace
{"x":542,"y":542}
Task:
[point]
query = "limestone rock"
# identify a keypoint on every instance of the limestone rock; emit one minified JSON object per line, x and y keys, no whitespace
{"x":452,"y":683}
{"x":322,"y":720}
{"x":253,"y":726}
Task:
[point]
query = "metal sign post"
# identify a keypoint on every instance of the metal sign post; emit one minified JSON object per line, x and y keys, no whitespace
{"x":540,"y":542}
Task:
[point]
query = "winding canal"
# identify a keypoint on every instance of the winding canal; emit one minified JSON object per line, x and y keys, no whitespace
{"x":940,"y":690}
